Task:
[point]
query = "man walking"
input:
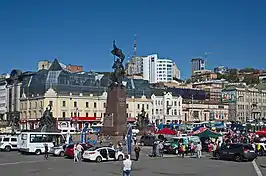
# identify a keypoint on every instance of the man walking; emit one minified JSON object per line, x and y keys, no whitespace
{"x":127,"y":164}
{"x":199,"y":148}
{"x":46,"y":149}
{"x":137,"y":151}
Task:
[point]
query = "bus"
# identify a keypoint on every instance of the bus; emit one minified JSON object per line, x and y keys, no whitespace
{"x":34,"y":142}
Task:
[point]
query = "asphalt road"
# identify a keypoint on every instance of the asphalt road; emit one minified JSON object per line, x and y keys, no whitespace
{"x":15,"y":164}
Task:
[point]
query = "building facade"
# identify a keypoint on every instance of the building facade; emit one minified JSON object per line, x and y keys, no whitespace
{"x":203,"y":75}
{"x":204,"y":112}
{"x":89,"y":108}
{"x":135,"y":66}
{"x":197,"y":64}
{"x":166,"y":108}
{"x":245,"y":103}
{"x":3,"y":98}
{"x":213,"y":89}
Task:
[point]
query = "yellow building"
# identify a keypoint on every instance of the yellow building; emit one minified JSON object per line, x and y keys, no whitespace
{"x":66,"y":106}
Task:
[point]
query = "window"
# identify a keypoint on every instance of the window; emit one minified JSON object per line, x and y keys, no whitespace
{"x":75,"y":114}
{"x":71,"y":114}
{"x":51,"y":103}
{"x":64,"y":114}
{"x":95,"y":105}
{"x":127,"y":105}
{"x":6,"y":140}
{"x":75,"y":104}
{"x":87,"y":104}
{"x":147,"y":106}
{"x":87,"y":114}
{"x":95,"y":114}
{"x":138,"y":106}
{"x":13,"y":139}
{"x":104,"y":105}
{"x":36,"y":138}
{"x":64,"y":103}
{"x":24,"y":137}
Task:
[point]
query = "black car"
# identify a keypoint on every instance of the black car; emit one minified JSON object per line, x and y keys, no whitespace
{"x":147,"y":140}
{"x":237,"y":152}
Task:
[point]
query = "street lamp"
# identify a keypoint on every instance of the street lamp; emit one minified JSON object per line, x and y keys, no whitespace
{"x":76,"y":119}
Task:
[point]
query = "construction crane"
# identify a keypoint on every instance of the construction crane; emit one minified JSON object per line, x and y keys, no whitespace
{"x":206,"y":54}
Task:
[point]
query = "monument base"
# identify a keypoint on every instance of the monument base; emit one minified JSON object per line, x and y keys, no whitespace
{"x":115,"y":120}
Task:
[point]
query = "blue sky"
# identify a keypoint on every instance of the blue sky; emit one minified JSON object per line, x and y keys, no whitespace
{"x":81,"y":32}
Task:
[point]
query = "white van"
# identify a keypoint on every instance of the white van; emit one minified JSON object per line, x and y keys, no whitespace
{"x":33,"y":142}
{"x":8,"y":143}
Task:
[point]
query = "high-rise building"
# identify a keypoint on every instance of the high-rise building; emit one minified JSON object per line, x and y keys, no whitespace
{"x":197,"y":64}
{"x":135,"y":66}
{"x":153,"y":69}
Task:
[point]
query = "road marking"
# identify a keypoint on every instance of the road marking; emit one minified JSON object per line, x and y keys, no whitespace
{"x":25,"y":162}
{"x":256,"y":168}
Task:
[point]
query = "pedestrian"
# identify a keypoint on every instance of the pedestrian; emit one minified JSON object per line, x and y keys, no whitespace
{"x":80,"y":149}
{"x":160,"y":146}
{"x":198,"y":149}
{"x":182,"y":150}
{"x":127,"y":164}
{"x":76,"y":153}
{"x":46,"y":149}
{"x":137,"y":151}
{"x":192,"y":149}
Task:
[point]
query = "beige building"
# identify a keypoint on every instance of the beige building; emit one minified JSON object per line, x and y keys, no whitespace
{"x":204,"y":112}
{"x":76,"y":105}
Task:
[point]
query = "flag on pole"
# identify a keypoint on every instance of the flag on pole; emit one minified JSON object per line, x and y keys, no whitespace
{"x":129,"y":139}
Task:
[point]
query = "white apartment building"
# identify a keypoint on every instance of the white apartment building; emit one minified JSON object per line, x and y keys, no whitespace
{"x":159,"y":70}
{"x":245,"y":103}
{"x":3,"y":99}
{"x":166,"y":108}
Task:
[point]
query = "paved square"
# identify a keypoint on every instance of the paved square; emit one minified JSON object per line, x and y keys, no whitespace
{"x":14,"y":164}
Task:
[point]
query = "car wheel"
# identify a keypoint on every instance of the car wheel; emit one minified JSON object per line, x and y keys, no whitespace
{"x":217,"y":156}
{"x":238,"y":158}
{"x":99,"y":159}
{"x":7,"y":148}
{"x":120,"y":158}
{"x":142,"y":143}
{"x":38,"y":152}
{"x":62,"y":154}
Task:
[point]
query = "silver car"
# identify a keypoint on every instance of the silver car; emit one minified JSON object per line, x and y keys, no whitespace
{"x":58,"y":151}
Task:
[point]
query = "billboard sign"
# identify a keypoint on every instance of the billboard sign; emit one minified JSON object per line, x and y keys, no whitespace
{"x":228,"y":96}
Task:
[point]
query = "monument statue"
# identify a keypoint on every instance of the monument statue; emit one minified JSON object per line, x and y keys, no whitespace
{"x":47,"y":121}
{"x":118,"y":67}
{"x":115,"y":120}
{"x":143,"y":121}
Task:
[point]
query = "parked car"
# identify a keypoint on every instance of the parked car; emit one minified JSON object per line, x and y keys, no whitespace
{"x":69,"y":151}
{"x":99,"y":154}
{"x":58,"y":151}
{"x":8,"y":143}
{"x":171,"y":146}
{"x":147,"y":140}
{"x":237,"y":152}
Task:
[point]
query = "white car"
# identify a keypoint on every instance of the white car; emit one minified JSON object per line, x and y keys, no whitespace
{"x":8,"y":143}
{"x":100,"y":154}
{"x":58,"y":151}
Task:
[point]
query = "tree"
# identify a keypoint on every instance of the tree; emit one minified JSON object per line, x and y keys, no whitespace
{"x":188,"y":81}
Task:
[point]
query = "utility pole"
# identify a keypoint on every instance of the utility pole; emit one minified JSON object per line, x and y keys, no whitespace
{"x":192,"y":98}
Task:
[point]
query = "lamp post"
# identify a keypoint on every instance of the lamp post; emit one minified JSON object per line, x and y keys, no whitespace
{"x":76,"y":119}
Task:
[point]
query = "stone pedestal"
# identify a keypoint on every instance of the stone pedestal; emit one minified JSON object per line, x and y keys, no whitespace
{"x":115,"y":120}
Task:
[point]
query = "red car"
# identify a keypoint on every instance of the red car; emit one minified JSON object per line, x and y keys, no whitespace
{"x":69,"y":151}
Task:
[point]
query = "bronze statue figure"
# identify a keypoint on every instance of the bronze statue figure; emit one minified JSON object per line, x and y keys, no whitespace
{"x":119,"y":70}
{"x":47,"y":121}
